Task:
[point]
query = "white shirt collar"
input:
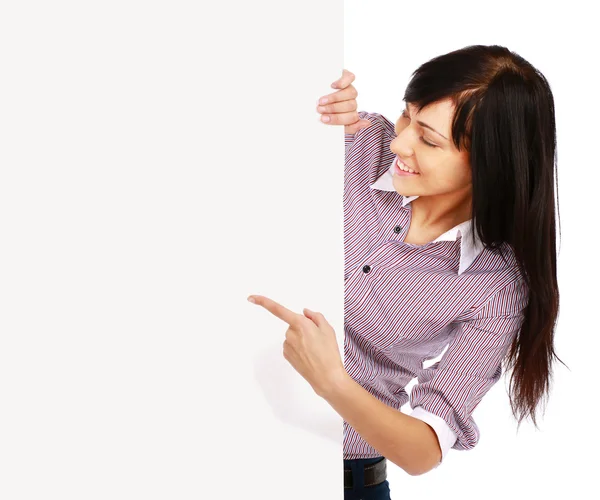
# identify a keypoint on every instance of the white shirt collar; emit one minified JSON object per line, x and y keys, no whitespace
{"x":468,"y":250}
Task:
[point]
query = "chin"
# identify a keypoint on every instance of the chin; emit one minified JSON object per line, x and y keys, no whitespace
{"x":404,"y":193}
{"x":402,"y":190}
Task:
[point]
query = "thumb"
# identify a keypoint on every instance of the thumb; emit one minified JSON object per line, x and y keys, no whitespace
{"x":318,"y":318}
{"x":355,"y":127}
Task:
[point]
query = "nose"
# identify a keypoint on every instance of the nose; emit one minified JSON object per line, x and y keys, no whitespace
{"x":401,"y":145}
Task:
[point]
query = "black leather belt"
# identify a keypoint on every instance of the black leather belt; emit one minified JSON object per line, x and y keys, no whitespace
{"x":374,"y":474}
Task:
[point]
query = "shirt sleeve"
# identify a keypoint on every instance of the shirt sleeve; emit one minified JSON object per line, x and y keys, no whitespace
{"x":379,"y":125}
{"x":349,"y":138}
{"x":446,"y":436}
{"x":453,"y":387}
{"x":367,"y":153}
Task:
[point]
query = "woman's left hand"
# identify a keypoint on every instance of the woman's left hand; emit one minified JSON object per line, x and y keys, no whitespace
{"x":310,"y":345}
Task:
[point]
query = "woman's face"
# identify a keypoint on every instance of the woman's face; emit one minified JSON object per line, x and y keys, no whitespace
{"x":441,"y":167}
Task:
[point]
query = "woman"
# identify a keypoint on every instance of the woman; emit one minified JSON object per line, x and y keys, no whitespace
{"x":449,"y":241}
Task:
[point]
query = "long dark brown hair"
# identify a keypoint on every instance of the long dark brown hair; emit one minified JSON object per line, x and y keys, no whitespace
{"x":504,"y":118}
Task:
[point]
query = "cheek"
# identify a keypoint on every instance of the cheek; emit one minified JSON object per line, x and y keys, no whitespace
{"x":466,"y":173}
{"x":460,"y":175}
{"x":444,"y":172}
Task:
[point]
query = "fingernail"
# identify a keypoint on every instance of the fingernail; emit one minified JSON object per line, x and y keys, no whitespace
{"x":334,"y":85}
{"x":251,"y":299}
{"x":323,"y":100}
{"x":325,"y":118}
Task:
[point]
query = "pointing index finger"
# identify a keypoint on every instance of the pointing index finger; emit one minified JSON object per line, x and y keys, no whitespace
{"x":282,"y":312}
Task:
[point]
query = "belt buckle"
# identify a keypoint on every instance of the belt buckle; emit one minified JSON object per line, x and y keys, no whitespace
{"x":374,"y":474}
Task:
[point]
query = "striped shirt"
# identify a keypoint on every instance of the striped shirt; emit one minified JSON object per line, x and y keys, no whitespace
{"x":405,"y":303}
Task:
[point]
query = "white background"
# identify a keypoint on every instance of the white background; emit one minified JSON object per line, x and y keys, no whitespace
{"x":160,"y":161}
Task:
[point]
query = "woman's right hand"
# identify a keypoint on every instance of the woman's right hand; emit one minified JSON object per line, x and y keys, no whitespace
{"x":341,"y":106}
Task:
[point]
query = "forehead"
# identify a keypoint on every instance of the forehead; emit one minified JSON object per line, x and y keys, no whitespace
{"x":440,"y":110}
{"x":437,"y":115}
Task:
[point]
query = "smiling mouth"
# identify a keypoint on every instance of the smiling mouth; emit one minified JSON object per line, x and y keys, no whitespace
{"x":401,"y":168}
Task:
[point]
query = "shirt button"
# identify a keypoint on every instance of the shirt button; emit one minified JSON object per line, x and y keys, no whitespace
{"x":366,"y":269}
{"x":397,"y":229}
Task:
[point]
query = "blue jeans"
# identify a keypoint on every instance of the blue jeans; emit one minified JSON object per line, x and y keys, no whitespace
{"x":359,"y":491}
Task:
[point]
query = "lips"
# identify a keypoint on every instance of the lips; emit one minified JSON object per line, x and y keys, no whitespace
{"x":400,"y":162}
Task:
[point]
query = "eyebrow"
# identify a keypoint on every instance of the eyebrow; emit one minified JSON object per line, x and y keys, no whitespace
{"x":425,"y":125}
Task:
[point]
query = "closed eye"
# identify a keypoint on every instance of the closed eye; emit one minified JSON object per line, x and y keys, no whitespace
{"x":428,"y":143}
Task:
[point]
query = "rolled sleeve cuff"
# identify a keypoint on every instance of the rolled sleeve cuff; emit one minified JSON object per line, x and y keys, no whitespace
{"x":445,"y":434}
